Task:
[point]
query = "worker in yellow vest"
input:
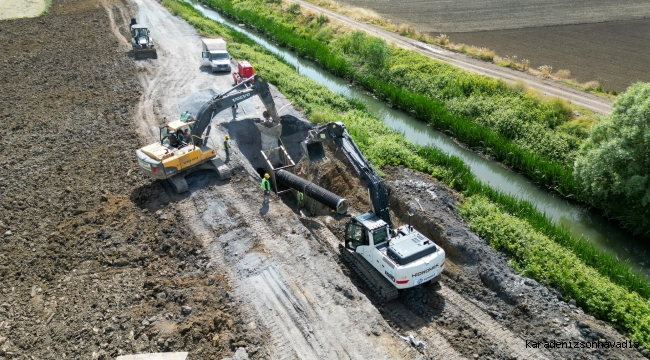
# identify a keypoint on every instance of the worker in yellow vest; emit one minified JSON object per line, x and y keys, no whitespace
{"x":300,"y":197}
{"x":226,"y":147}
{"x":266,"y":186}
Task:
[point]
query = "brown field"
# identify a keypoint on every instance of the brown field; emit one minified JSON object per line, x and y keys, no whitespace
{"x":614,"y":53}
{"x":470,"y":15}
{"x":595,"y":40}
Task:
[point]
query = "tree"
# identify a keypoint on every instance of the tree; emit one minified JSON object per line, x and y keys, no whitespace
{"x":613,"y":165}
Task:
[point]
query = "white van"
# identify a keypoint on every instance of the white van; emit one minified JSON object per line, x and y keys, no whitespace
{"x":215,"y":55}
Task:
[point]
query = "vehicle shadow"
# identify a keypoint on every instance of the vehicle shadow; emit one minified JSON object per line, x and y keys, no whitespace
{"x":158,"y":194}
{"x":142,"y":55}
{"x":208,"y":70}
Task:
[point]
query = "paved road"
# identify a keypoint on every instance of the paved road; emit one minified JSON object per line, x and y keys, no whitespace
{"x":581,"y":98}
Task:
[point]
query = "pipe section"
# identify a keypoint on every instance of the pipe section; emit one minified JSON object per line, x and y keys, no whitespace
{"x":329,"y":199}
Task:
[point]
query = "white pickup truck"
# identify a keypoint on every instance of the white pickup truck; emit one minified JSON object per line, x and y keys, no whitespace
{"x":215,"y":55}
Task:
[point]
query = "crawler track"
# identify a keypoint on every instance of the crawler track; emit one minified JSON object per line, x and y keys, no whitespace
{"x":382,"y":288}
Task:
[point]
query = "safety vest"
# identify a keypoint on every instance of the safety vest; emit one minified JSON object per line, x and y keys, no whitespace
{"x":299,"y":196}
{"x":226,"y":145}
{"x":266,"y":186}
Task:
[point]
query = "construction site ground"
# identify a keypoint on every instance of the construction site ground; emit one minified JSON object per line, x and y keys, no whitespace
{"x":97,"y":260}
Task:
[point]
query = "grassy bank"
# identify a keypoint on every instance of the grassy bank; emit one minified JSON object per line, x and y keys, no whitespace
{"x":383,"y":146}
{"x":539,"y":257}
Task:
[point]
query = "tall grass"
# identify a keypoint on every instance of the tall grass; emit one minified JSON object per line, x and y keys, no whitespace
{"x":539,"y":257}
{"x":383,"y":146}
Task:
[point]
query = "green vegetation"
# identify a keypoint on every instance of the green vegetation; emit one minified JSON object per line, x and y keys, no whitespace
{"x":614,"y":163}
{"x":536,"y":136}
{"x":48,"y":4}
{"x":508,"y":124}
{"x":623,"y":294}
{"x":539,"y":257}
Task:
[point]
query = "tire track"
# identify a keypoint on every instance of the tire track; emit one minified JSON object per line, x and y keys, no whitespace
{"x":454,"y":302}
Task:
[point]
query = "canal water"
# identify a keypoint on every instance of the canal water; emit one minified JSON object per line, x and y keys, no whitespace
{"x":575,"y":217}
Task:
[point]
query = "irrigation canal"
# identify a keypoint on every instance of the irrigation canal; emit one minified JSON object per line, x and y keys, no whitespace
{"x":578,"y":219}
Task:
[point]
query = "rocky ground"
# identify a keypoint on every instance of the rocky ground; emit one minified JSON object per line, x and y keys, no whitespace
{"x":96,"y":260}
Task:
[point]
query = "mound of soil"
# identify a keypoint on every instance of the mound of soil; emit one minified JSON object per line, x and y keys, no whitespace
{"x":92,"y":265}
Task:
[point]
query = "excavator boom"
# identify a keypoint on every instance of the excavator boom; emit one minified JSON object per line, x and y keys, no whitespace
{"x":184,"y":145}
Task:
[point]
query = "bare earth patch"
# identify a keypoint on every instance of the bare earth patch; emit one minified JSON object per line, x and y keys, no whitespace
{"x":614,"y":53}
{"x":470,"y":15}
{"x":12,"y":9}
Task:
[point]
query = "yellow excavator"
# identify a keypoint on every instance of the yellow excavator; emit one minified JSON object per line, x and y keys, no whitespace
{"x":185,"y":144}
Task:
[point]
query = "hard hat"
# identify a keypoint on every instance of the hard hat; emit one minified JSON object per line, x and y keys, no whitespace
{"x":227,"y":137}
{"x":266,"y":176}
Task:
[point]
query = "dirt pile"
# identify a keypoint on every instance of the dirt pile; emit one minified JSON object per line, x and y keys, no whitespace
{"x":90,"y":267}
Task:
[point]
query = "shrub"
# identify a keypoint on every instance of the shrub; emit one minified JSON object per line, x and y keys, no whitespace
{"x":294,"y":8}
{"x":545,"y":70}
{"x":591,"y":85}
{"x":563,"y":74}
{"x":322,"y":19}
{"x":442,"y":39}
{"x":614,"y":166}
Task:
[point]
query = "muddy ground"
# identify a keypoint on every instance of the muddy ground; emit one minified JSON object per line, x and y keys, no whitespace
{"x":87,"y":272}
{"x":97,"y":260}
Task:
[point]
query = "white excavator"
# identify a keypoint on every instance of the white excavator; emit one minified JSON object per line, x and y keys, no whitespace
{"x":386,"y":258}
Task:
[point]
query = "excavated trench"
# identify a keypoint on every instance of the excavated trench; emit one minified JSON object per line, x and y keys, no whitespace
{"x":481,"y":307}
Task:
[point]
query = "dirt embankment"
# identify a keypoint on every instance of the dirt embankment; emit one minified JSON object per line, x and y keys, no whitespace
{"x":90,"y":268}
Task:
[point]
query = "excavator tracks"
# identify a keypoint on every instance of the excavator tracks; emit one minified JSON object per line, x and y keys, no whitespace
{"x":382,"y":288}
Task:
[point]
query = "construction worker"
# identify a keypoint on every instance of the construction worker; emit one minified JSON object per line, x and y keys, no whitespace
{"x":234,"y":111}
{"x":226,"y":147}
{"x":185,"y":116}
{"x":266,"y":186}
{"x":300,"y":197}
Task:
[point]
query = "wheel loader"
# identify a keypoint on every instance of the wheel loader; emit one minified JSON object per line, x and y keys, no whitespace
{"x":141,"y":40}
{"x":185,"y":145}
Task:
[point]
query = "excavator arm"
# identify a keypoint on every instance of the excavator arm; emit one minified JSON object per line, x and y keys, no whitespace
{"x":339,"y":134}
{"x":229,"y":98}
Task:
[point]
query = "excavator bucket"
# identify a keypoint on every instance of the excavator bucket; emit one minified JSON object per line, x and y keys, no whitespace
{"x":267,"y":99}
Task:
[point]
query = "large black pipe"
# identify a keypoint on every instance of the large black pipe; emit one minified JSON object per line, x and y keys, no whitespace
{"x":312,"y":190}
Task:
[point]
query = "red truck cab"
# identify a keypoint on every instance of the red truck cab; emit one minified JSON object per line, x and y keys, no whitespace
{"x":244,"y":71}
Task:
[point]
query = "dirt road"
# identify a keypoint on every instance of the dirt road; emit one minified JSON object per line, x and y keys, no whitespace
{"x":550,"y":88}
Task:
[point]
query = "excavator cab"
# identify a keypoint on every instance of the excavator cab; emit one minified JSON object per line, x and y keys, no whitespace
{"x":176,"y":134}
{"x":355,"y":235}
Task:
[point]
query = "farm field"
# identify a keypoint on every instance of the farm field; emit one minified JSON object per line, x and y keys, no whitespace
{"x":11,"y":9}
{"x":470,"y":15}
{"x":596,"y":40}
{"x":578,"y":48}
